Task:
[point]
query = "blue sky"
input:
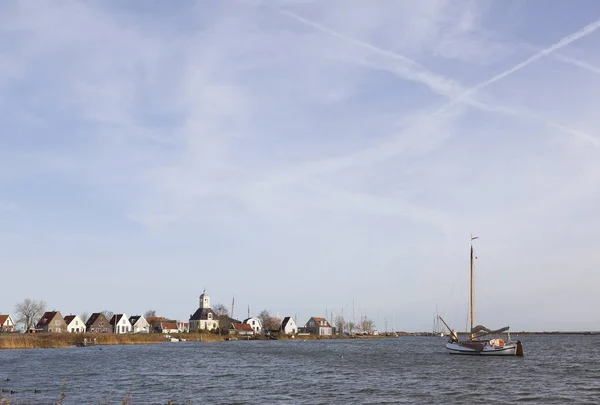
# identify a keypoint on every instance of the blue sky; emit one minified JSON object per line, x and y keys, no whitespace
{"x":303,"y":156}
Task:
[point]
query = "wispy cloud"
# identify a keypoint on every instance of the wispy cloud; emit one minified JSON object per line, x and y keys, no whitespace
{"x":329,"y":139}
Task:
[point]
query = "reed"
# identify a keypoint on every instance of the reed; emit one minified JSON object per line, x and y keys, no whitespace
{"x":58,"y":340}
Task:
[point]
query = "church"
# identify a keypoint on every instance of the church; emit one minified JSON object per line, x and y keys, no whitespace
{"x":204,"y":318}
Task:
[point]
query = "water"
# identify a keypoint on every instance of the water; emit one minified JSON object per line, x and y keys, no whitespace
{"x":556,"y":369}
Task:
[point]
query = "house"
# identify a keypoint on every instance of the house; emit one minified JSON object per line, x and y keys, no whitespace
{"x":288,"y":326}
{"x":139,"y":324}
{"x":97,"y":323}
{"x":318,"y":326}
{"x":255,"y":323}
{"x":52,"y":321}
{"x":183,"y":326}
{"x":155,"y":323}
{"x":204,"y":318}
{"x":242,"y":329}
{"x":167,"y":327}
{"x":74,"y":324}
{"x":6,"y":323}
{"x":120,"y":323}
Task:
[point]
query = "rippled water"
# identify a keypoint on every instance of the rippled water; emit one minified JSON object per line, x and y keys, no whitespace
{"x":556,"y":369}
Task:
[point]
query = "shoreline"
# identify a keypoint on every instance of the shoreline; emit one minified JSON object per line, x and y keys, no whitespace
{"x":65,"y":340}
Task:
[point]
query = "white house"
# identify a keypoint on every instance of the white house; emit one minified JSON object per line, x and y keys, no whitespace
{"x":288,"y":326}
{"x":6,"y":323}
{"x":254,"y":323}
{"x":204,"y":318}
{"x":74,"y":324}
{"x":120,"y":323}
{"x":139,"y":324}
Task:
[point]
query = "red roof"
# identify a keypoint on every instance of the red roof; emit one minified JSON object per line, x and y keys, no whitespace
{"x":3,"y":319}
{"x":168,"y":325}
{"x":321,"y":321}
{"x":242,"y":327}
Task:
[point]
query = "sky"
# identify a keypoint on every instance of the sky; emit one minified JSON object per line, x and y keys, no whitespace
{"x":304,"y":157}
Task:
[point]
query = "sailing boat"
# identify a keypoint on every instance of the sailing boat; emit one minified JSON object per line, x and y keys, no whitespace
{"x":438,"y":330}
{"x":475,"y":345}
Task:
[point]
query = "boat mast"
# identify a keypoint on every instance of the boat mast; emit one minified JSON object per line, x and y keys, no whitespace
{"x":472,"y":301}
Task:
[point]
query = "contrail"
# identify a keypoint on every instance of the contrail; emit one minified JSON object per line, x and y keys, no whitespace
{"x":584,"y":32}
{"x":451,"y":89}
{"x":346,"y":38}
{"x":579,"y":63}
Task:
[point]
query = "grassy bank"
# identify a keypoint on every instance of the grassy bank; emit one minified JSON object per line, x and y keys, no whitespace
{"x":58,"y":340}
{"x":55,"y":340}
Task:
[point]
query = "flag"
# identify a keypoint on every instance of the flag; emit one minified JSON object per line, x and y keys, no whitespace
{"x":474,"y":237}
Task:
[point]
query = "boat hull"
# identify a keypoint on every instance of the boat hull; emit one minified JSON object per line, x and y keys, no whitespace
{"x":509,"y":349}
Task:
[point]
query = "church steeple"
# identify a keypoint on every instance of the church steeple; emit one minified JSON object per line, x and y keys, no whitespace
{"x":204,"y":300}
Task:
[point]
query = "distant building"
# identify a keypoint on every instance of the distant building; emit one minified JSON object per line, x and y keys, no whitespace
{"x":318,"y":326}
{"x":52,"y":321}
{"x":97,"y":323}
{"x":204,"y":318}
{"x":183,"y":326}
{"x":288,"y":326}
{"x":120,"y":323}
{"x":6,"y":323}
{"x":139,"y":324}
{"x":242,"y":329}
{"x":254,"y":323}
{"x":74,"y":324}
{"x":168,"y":327}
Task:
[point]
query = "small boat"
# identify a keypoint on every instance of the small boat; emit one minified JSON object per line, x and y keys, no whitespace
{"x":474,"y":344}
{"x":438,"y":330}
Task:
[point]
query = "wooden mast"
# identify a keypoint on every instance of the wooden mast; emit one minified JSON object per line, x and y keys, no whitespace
{"x":472,"y":300}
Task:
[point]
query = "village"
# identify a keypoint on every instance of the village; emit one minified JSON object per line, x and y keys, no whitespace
{"x":204,"y":319}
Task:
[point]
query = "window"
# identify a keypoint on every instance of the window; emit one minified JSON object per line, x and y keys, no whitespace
{"x":57,"y":322}
{"x":209,"y":316}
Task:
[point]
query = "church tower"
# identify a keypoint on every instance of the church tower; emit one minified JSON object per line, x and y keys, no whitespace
{"x":204,"y":300}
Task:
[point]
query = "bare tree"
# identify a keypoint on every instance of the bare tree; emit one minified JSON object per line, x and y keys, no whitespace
{"x":149,"y":313}
{"x":366,"y":324}
{"x":269,"y":322}
{"x":351,"y":327}
{"x":29,"y":311}
{"x":339,"y":324}
{"x":223,"y":317}
{"x":84,"y":316}
{"x":108,"y":314}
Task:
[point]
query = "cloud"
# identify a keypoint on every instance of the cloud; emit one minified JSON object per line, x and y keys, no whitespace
{"x":348,"y":142}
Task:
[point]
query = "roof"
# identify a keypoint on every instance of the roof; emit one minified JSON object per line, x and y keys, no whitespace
{"x":201,"y":314}
{"x":94,"y":317}
{"x":154,"y":319}
{"x":47,"y":318}
{"x":133,"y":319}
{"x":116,"y":318}
{"x":69,"y":318}
{"x":242,"y":327}
{"x":319,"y":320}
{"x":168,"y":325}
{"x":285,"y":321}
{"x":3,"y":318}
